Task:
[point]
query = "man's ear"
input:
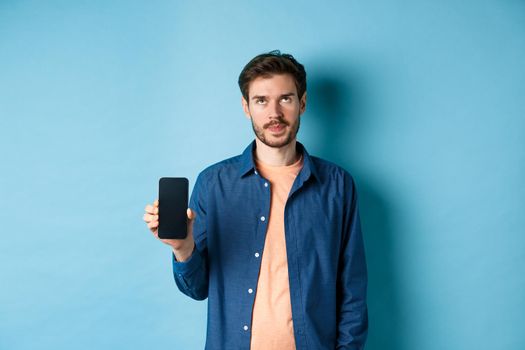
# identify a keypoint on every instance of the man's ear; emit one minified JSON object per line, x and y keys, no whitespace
{"x":303,"y":103}
{"x":245,"y":107}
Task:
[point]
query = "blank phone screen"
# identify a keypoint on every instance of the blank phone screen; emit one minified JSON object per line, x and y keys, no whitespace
{"x":173,"y":202}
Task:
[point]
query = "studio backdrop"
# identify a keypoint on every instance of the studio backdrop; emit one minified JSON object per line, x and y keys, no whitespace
{"x":421,"y":101}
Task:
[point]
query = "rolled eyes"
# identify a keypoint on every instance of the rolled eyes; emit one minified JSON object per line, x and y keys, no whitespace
{"x":263,"y":101}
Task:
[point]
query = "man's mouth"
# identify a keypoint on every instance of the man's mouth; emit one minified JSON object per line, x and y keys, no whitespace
{"x":276,"y":127}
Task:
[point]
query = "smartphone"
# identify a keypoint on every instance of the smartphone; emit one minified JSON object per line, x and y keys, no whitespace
{"x":173,"y":202}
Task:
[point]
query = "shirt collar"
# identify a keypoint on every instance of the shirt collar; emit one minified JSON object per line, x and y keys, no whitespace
{"x":247,"y":164}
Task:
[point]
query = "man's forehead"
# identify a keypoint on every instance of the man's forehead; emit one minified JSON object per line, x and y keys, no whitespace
{"x":275,"y":84}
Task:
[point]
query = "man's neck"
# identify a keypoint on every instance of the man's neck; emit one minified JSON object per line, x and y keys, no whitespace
{"x":274,"y":156}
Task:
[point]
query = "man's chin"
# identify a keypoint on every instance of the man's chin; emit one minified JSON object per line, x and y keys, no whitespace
{"x":277,"y":142}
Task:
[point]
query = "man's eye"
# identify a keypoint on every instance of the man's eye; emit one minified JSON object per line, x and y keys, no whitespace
{"x":260,"y":101}
{"x":286,"y":99}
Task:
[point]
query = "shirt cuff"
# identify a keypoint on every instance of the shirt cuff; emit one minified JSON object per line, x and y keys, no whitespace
{"x":189,"y":266}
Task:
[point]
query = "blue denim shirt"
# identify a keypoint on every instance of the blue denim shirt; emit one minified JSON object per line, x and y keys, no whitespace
{"x":324,"y":246}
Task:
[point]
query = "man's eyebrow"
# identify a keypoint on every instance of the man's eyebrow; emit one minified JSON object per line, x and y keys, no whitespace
{"x":288,"y":94}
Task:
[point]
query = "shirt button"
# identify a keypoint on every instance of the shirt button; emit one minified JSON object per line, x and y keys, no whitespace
{"x":250,"y":291}
{"x":266,"y":184}
{"x":245,"y":328}
{"x":256,"y":255}
{"x":263,"y":218}
{"x":299,"y":331}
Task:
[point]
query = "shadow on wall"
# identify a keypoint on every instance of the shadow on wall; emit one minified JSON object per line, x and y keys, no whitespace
{"x":339,"y":107}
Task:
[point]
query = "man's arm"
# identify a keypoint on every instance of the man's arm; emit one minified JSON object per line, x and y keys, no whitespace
{"x":352,"y":316}
{"x":191,"y":275}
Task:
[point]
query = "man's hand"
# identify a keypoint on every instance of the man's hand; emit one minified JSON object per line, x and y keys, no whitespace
{"x":182,"y":248}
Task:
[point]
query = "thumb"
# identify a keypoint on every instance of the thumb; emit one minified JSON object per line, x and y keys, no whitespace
{"x":191,"y":214}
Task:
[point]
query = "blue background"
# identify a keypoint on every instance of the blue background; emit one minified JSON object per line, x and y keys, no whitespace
{"x":422,"y":101}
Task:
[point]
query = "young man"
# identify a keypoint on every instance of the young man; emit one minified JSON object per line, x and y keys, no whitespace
{"x":274,"y":238}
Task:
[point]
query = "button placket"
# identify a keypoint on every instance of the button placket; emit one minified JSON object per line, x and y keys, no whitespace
{"x":262,"y":218}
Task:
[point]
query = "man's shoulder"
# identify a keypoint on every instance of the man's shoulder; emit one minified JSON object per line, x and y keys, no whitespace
{"x":228,"y":165}
{"x":328,"y":170}
{"x":334,"y":177}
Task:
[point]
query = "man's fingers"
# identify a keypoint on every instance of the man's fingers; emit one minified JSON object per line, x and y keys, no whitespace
{"x":153,"y":224}
{"x":156,"y":203}
{"x":151,"y":209}
{"x":149,"y":217}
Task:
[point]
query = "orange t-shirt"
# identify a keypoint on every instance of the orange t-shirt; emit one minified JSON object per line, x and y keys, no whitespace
{"x":272,"y":325}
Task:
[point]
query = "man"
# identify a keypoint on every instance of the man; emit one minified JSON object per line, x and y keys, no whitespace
{"x":274,"y":238}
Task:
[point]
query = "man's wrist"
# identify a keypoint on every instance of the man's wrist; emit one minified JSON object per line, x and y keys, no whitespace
{"x":184,"y":253}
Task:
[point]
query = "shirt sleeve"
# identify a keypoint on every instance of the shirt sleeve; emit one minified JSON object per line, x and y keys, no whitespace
{"x":191,"y":276}
{"x":352,"y":313}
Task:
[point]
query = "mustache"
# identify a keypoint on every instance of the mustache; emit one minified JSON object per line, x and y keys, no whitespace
{"x":276,"y":122}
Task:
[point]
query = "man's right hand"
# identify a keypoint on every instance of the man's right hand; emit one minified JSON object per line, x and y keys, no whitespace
{"x":182,"y":248}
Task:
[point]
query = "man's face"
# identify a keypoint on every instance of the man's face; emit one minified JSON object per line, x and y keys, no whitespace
{"x":274,"y":109}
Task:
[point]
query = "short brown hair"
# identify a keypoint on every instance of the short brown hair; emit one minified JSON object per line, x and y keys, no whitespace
{"x":268,"y":64}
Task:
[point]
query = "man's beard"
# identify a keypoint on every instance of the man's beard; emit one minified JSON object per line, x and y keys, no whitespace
{"x":259,"y":132}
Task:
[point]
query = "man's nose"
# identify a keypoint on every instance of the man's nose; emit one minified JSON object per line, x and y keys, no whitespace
{"x":275,"y":109}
